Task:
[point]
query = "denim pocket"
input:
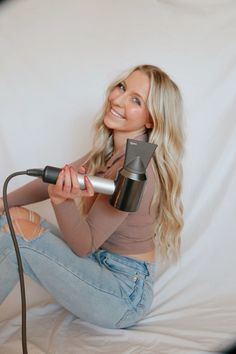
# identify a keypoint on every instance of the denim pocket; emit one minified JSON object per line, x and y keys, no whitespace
{"x":131,"y":281}
{"x":136,"y":313}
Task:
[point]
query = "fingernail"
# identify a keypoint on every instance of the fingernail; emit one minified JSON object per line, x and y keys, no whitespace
{"x":86,"y":178}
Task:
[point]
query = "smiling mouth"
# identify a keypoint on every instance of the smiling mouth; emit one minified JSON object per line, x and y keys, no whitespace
{"x":116,"y":114}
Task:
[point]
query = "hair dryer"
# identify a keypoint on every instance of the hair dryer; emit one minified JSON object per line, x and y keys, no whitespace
{"x":126,"y":190}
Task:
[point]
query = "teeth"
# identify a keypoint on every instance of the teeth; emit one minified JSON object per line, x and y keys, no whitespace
{"x":116,"y":114}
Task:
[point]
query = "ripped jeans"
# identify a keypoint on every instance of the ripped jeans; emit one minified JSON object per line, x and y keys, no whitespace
{"x":104,"y":288}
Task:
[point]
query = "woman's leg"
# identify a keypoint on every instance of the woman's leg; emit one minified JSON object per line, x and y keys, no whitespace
{"x":25,"y":222}
{"x":23,"y":213}
{"x":85,"y":286}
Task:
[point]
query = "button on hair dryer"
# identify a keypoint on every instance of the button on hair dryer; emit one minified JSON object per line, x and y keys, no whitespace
{"x":126,"y":191}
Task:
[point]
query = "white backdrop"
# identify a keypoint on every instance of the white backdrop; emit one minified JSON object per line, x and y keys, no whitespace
{"x":56,"y":58}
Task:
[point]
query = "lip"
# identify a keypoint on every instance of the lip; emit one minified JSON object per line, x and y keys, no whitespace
{"x":116,"y":114}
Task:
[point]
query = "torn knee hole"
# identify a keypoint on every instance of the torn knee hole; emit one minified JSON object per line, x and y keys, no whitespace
{"x":25,"y":228}
{"x":24,"y":213}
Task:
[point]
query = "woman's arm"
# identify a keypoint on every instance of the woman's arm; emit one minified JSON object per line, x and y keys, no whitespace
{"x":83,"y":234}
{"x":33,"y":192}
{"x":86,"y":234}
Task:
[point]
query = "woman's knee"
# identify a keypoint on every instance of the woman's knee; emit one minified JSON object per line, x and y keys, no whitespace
{"x":25,"y":228}
{"x":23,"y":213}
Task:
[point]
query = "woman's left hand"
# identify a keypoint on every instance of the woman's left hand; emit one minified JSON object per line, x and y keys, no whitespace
{"x":67,"y":186}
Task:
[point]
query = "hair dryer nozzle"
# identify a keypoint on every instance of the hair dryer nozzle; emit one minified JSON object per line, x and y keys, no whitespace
{"x":132,"y":178}
{"x":138,"y":149}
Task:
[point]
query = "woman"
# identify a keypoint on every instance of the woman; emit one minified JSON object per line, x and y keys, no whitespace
{"x":102,"y":268}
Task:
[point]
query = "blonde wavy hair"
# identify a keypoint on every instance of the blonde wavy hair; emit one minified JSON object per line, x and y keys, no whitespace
{"x":165,"y":107}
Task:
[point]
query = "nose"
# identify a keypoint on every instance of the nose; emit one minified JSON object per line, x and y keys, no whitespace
{"x":119,"y":99}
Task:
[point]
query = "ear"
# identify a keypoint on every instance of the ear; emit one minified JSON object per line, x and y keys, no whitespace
{"x":149,"y":122}
{"x":149,"y":125}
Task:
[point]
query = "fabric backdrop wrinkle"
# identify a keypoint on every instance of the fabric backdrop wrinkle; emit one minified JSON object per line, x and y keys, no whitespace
{"x":56,"y":59}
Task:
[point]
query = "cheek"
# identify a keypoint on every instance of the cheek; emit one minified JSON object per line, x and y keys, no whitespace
{"x":108,"y":103}
{"x":135,"y":113}
{"x":113,"y":95}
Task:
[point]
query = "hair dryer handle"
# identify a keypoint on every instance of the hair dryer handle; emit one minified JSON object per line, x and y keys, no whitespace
{"x":100,"y":185}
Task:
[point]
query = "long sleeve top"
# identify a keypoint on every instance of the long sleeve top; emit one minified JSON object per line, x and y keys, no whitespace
{"x":103,"y":226}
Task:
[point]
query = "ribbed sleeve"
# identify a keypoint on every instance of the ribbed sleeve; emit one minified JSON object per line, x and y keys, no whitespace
{"x":85,"y":234}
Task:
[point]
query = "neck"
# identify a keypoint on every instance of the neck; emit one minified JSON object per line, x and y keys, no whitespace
{"x":119,"y":141}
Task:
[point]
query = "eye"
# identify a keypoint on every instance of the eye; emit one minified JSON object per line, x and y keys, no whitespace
{"x":121,"y":86}
{"x":136,"y":100}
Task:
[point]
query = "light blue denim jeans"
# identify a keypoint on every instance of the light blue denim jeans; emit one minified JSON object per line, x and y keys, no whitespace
{"x":104,"y":288}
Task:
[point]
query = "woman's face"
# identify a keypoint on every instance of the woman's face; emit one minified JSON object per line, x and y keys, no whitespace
{"x":127,"y":105}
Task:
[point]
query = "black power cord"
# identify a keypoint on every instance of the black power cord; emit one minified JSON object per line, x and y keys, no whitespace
{"x":19,"y":262}
{"x":35,"y":173}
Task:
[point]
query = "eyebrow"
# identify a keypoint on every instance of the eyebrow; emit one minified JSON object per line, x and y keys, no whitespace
{"x":133,"y":92}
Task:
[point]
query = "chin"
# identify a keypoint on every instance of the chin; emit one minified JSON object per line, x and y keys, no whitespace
{"x":109,"y":123}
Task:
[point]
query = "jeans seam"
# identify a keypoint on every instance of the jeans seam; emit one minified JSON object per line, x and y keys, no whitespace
{"x":61,"y":265}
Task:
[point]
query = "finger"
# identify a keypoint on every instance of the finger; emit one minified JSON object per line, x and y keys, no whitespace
{"x":74,"y":179}
{"x":67,"y":180}
{"x":81,"y":169}
{"x":89,"y":187}
{"x":60,"y":181}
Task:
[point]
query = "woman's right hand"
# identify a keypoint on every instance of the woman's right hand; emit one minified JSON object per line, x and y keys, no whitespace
{"x":67,"y":186}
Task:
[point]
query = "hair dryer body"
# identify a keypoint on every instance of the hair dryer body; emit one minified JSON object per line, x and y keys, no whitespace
{"x":127,"y":189}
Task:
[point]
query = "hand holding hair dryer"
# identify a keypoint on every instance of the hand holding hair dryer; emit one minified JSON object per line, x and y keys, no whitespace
{"x":126,"y":191}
